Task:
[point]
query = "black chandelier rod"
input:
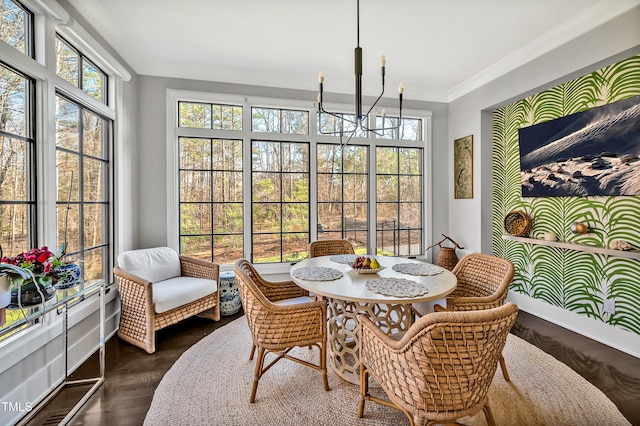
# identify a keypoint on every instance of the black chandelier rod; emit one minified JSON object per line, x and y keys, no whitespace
{"x":359,"y":116}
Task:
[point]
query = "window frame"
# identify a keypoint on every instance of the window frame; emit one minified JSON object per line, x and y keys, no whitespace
{"x":173,"y":96}
{"x":31,"y":162}
{"x":106,"y":203}
{"x":29,"y":36}
{"x":82,"y":58}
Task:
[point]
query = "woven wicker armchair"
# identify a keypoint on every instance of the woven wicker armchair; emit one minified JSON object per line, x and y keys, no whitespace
{"x":329,"y":247}
{"x":483,"y":283}
{"x":160,"y":296}
{"x":441,"y":368}
{"x":281,"y":316}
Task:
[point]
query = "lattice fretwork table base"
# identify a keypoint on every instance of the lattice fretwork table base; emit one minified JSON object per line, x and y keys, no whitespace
{"x":344,"y":335}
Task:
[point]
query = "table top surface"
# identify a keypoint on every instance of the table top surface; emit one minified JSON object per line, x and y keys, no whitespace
{"x":352,"y":285}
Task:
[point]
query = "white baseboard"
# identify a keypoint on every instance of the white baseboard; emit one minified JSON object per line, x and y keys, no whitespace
{"x":617,"y":338}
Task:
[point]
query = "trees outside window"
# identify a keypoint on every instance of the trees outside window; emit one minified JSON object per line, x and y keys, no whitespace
{"x":82,"y":176}
{"x":343,"y":191}
{"x":16,"y":26}
{"x":261,"y":182}
{"x":280,"y":201}
{"x":78,"y":70}
{"x":399,"y":223}
{"x":210,"y":186}
{"x":17,"y":192}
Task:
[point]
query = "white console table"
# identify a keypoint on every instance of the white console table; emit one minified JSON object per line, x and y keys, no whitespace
{"x":65,"y":299}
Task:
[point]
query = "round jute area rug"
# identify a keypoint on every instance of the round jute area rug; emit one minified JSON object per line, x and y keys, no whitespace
{"x":211,"y":382}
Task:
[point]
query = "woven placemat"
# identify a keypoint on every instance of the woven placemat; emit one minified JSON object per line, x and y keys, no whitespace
{"x":397,"y":287}
{"x":417,"y":269}
{"x":347,"y":259}
{"x":317,"y":273}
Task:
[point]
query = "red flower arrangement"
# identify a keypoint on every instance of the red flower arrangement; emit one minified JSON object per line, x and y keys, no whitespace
{"x":41,"y":262}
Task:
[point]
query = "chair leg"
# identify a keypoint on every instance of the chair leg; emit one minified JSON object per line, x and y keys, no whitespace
{"x":257,"y":374}
{"x":253,"y":351}
{"x":488,"y":415}
{"x":323,"y":364}
{"x":364,"y":389}
{"x":503,"y":366}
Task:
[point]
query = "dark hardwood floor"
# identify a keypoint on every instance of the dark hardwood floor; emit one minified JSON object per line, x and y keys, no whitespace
{"x":132,"y":375}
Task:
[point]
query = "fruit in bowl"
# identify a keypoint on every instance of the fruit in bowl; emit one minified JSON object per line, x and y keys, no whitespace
{"x":363,"y":262}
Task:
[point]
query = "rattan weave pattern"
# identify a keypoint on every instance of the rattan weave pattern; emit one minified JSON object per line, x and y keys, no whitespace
{"x":442,"y":367}
{"x":138,"y":319}
{"x":329,"y":247}
{"x":483,"y":282}
{"x":278,"y":328}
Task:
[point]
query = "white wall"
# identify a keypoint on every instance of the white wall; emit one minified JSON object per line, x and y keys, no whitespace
{"x":471,"y":114}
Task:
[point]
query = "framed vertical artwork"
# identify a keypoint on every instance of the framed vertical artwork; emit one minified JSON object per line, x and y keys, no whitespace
{"x":463,"y":167}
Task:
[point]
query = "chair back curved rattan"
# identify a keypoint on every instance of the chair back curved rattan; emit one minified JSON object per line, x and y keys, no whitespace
{"x":483,"y":282}
{"x":329,"y":247}
{"x":441,"y":369}
{"x":280,"y":327}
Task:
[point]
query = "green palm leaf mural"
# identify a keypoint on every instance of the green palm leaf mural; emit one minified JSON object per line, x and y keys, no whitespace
{"x":572,"y":280}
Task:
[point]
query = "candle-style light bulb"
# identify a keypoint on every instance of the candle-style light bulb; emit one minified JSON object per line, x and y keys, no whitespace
{"x":383,"y":61}
{"x":401,"y":88}
{"x":320,"y":77}
{"x":384,"y":112}
{"x":318,"y":97}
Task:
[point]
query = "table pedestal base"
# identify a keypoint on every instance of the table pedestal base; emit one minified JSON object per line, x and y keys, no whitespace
{"x":344,"y":331}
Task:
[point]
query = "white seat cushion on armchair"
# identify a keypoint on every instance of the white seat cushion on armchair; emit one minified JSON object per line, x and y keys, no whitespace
{"x":175,"y":292}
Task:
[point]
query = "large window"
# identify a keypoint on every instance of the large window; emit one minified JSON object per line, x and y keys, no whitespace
{"x":198,"y":115}
{"x":399,"y":200}
{"x":261,"y":182}
{"x":78,"y":70}
{"x":83,"y":195}
{"x":17,"y":194}
{"x":280,"y":201}
{"x":343,"y":191}
{"x":405,"y":129}
{"x":16,"y":26}
{"x":211,"y":218}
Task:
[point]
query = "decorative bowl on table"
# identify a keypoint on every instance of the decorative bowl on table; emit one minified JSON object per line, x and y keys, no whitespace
{"x":368,"y":270}
{"x":366,"y":265}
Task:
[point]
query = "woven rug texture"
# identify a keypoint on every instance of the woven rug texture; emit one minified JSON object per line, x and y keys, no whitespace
{"x":211,"y":382}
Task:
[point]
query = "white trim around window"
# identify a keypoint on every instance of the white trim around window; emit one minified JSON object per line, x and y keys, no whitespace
{"x":173,"y":132}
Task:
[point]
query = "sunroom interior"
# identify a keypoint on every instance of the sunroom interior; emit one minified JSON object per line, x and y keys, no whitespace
{"x":200,"y":127}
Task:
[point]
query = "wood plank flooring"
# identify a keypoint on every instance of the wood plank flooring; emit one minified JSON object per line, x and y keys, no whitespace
{"x":132,"y":375}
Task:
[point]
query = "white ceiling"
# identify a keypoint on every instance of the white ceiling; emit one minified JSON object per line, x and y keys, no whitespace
{"x":438,"y":49}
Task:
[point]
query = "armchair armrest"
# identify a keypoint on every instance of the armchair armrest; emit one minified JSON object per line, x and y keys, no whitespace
{"x":136,"y":293}
{"x":198,"y":268}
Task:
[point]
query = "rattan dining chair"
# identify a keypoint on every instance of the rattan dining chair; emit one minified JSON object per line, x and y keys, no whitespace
{"x":281,"y":316}
{"x":439,"y":370}
{"x":329,"y":247}
{"x":483,"y":283}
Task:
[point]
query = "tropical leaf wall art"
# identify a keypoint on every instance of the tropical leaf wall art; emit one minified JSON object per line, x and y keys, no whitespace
{"x":572,"y":280}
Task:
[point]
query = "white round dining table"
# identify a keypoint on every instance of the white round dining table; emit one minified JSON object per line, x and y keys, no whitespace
{"x":349,"y":296}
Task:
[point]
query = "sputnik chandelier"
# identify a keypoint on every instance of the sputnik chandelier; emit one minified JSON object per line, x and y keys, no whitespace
{"x":347,"y":126}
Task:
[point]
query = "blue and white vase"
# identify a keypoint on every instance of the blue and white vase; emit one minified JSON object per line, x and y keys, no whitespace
{"x":69,"y":275}
{"x":229,"y":294}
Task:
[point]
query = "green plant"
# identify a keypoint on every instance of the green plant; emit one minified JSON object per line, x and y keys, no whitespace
{"x":35,"y":265}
